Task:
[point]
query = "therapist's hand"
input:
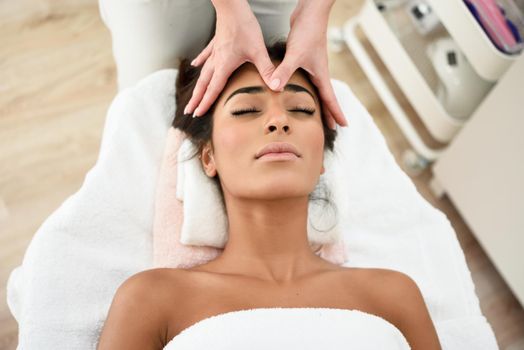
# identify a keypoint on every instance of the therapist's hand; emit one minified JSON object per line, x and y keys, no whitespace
{"x":307,"y":48}
{"x":238,"y":38}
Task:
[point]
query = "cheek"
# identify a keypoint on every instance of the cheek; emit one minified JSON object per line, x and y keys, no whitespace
{"x":231,"y":143}
{"x":315,"y":141}
{"x":231,"y":139}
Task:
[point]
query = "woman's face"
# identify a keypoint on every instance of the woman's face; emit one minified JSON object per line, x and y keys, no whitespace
{"x":277,"y":118}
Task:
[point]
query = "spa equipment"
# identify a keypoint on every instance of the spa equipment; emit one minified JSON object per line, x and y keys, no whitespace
{"x":460,"y":89}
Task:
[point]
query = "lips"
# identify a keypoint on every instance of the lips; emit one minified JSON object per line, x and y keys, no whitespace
{"x":278,"y":147}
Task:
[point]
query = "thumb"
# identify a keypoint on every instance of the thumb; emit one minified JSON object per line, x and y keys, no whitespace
{"x":281,"y":75}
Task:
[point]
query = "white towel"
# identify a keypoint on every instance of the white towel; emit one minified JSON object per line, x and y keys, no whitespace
{"x":291,"y":328}
{"x":102,"y":234}
{"x":205,"y":217}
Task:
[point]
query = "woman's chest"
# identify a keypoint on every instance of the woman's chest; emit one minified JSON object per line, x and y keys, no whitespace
{"x":201,"y":298}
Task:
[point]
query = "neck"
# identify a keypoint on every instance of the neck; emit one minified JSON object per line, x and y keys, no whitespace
{"x":268,"y":239}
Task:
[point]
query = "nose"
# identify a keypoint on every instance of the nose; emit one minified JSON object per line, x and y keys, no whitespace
{"x":278,"y":121}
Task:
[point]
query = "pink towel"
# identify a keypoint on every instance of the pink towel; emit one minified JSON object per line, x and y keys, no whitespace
{"x":169,"y":215}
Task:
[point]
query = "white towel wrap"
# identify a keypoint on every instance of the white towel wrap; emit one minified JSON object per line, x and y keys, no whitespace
{"x":291,"y":328}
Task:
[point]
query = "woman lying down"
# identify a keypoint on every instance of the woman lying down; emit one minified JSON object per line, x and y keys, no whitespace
{"x":264,"y":149}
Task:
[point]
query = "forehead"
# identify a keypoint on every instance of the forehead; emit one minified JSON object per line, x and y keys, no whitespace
{"x":248,"y":74}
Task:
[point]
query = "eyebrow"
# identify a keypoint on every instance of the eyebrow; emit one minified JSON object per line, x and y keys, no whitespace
{"x":259,"y":89}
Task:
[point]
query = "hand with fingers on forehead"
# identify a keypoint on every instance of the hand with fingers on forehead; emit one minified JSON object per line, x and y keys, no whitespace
{"x":239,"y":39}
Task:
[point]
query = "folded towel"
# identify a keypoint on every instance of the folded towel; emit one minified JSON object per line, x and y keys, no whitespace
{"x":291,"y":328}
{"x":196,"y":231}
{"x":102,"y":234}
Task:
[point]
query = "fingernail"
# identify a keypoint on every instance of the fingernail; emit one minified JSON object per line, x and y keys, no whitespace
{"x":194,"y":114}
{"x":186,"y":109}
{"x":193,"y":62}
{"x":274,"y":84}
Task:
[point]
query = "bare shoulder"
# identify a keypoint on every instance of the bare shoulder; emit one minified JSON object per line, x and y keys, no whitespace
{"x":155,"y":277}
{"x":160,"y":286}
{"x":400,"y":298}
{"x":143,"y":278}
{"x":384,"y":282}
{"x":149,"y":284}
{"x":376,"y":279}
{"x":137,"y":318}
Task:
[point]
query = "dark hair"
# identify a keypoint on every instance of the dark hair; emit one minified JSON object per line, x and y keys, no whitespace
{"x":200,"y":129}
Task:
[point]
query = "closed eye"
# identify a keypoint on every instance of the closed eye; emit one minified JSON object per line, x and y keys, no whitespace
{"x":297,"y":109}
{"x":245,"y":110}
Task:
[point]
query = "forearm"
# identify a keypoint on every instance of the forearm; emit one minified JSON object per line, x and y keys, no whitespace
{"x":316,"y":6}
{"x":230,"y":6}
